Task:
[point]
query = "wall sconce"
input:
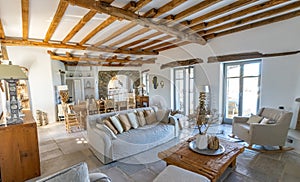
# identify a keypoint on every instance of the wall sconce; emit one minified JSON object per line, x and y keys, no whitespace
{"x":11,"y":74}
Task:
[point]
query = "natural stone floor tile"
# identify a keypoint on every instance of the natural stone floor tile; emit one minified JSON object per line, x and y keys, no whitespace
{"x":72,"y":145}
{"x":130,"y":168}
{"x":117,"y":175}
{"x":50,"y":154}
{"x":235,"y":177}
{"x":157,"y":167}
{"x":144,"y":175}
{"x":51,"y":145}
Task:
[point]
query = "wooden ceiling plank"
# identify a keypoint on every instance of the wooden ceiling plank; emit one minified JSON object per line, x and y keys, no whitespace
{"x":131,"y":36}
{"x":56,"y":19}
{"x":25,"y":11}
{"x":100,"y":27}
{"x":141,"y":40}
{"x":194,"y":9}
{"x":153,"y":42}
{"x":181,"y":63}
{"x":173,"y":46}
{"x":252,"y":18}
{"x":151,"y":13}
{"x":256,"y":24}
{"x":225,"y":9}
{"x":116,"y":33}
{"x":2,"y":34}
{"x":167,"y":7}
{"x":79,"y":25}
{"x":124,"y":14}
{"x":16,"y":42}
{"x":4,"y":53}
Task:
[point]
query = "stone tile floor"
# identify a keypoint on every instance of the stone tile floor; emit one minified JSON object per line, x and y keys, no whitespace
{"x":59,"y":150}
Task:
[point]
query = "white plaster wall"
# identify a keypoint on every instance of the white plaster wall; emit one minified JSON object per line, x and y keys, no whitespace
{"x":40,"y":77}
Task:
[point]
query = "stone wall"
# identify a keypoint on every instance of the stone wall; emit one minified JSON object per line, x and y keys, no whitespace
{"x":105,"y":76}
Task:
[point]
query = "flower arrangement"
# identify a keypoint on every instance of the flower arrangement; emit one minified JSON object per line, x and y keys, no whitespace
{"x":205,"y":120}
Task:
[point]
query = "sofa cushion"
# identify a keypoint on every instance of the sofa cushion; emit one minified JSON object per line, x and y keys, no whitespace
{"x":141,"y":118}
{"x":110,"y":126}
{"x":106,"y":130}
{"x":254,"y":119}
{"x":115,"y":120}
{"x":162,"y":115}
{"x":124,"y":122}
{"x":133,"y":120}
{"x":150,"y":116}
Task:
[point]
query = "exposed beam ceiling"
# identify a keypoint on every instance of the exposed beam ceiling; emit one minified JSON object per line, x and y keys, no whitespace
{"x":181,"y":63}
{"x":140,"y":27}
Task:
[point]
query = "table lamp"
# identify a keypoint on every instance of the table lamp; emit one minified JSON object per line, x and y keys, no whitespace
{"x":11,"y":74}
{"x":142,"y":86}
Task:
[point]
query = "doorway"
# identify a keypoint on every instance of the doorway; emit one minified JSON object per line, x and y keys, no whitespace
{"x":241,"y":89}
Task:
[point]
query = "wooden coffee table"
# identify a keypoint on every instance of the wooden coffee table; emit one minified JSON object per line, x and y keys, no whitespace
{"x":210,"y":166}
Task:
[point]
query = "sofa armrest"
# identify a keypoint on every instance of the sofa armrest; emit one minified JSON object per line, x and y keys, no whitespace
{"x":100,"y":177}
{"x":258,"y":133}
{"x":99,"y":141}
{"x":239,"y":119}
{"x":175,"y":122}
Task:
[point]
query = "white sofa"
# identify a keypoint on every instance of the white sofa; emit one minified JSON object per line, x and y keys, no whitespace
{"x":108,"y":148}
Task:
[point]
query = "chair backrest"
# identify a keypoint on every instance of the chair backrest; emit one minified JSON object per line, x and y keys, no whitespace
{"x":281,"y":117}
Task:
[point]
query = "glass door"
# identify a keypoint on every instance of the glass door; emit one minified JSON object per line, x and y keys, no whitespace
{"x":241,"y":89}
{"x":184,"y":89}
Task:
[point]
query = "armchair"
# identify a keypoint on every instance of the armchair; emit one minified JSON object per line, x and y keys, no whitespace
{"x":264,"y":134}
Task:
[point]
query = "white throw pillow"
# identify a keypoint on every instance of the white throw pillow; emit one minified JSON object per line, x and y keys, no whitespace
{"x":264,"y":121}
{"x":133,"y":120}
{"x":254,"y":119}
{"x":115,"y":120}
{"x":106,"y":130}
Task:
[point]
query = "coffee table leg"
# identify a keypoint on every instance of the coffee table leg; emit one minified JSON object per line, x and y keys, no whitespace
{"x":233,"y":163}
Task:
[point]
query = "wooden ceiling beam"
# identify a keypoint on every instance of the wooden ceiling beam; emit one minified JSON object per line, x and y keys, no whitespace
{"x":194,"y":9}
{"x":100,"y":27}
{"x":4,"y":53}
{"x":173,"y":46}
{"x":167,"y":7}
{"x":114,"y":59}
{"x":252,"y":18}
{"x":56,"y":19}
{"x":121,"y":13}
{"x":141,"y":40}
{"x":225,"y":9}
{"x":168,"y":43}
{"x":256,"y":24}
{"x":106,"y":65}
{"x":153,"y":42}
{"x":138,"y":5}
{"x":181,"y":63}
{"x":247,"y":55}
{"x":25,"y":11}
{"x":131,"y":36}
{"x":79,"y":25}
{"x":238,"y":14}
{"x":119,"y":32}
{"x":2,"y":34}
{"x":16,"y":42}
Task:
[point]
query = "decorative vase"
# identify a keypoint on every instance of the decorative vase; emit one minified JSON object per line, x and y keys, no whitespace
{"x":202,"y":141}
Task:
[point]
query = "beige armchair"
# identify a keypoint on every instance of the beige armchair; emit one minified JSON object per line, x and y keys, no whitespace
{"x":264,"y":134}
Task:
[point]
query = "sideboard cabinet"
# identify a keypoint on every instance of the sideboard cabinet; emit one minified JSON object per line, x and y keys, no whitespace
{"x":19,"y":151}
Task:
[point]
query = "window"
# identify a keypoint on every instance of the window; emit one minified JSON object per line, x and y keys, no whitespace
{"x":184,"y":89}
{"x":241,"y":89}
{"x":145,"y":77}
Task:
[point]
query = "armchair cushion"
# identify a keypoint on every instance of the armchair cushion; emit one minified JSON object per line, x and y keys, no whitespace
{"x":254,"y":119}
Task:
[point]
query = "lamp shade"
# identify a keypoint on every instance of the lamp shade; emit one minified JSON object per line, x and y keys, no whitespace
{"x":204,"y":88}
{"x":11,"y":72}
